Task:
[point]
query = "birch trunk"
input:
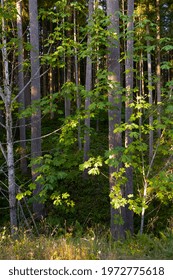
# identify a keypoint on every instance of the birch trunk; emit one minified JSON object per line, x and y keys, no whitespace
{"x":7,"y":98}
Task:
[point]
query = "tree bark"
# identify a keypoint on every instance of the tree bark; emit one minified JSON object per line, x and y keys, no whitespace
{"x":21,"y":99}
{"x":88,"y":87}
{"x":7,"y":98}
{"x":69,"y":69}
{"x":51,"y":91}
{"x":78,"y":98}
{"x":114,"y":113}
{"x":150,"y":94}
{"x":38,"y":207}
{"x":128,"y":110}
{"x":158,"y":60}
{"x":67,"y":98}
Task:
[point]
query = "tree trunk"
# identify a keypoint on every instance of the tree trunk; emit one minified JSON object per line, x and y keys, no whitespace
{"x":7,"y":96}
{"x":67,"y":98}
{"x":38,"y":208}
{"x":128,"y":110}
{"x":158,"y":60}
{"x":88,"y":87}
{"x":78,"y":99}
{"x":21,"y":99}
{"x":150,"y":94}
{"x":69,"y":68}
{"x":114,"y":113}
{"x":51,"y":91}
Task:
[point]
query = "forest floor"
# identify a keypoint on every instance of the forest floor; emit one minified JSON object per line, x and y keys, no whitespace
{"x":87,"y":247}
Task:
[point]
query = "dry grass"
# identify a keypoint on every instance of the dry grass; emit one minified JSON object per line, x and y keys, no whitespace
{"x":28,"y":247}
{"x":44,"y":248}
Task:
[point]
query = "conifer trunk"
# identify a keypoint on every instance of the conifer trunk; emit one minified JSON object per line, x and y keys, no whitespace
{"x":69,"y":68}
{"x":128,"y":109}
{"x":158,"y":61}
{"x":21,"y":99}
{"x":38,"y":208}
{"x":88,"y":87}
{"x":78,"y":98}
{"x":114,"y":113}
{"x":150,"y":94}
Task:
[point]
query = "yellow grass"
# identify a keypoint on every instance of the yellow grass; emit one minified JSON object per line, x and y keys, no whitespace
{"x":91,"y":247}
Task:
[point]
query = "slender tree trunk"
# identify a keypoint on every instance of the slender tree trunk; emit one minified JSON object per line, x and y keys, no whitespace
{"x":38,"y":208}
{"x":143,"y":207}
{"x":97,"y":64}
{"x":51,"y":91}
{"x":7,"y":96}
{"x":128,"y":109}
{"x":51,"y":82}
{"x":67,"y":98}
{"x":45,"y":34}
{"x":114,"y":113}
{"x":88,"y":87}
{"x":170,"y":75}
{"x":21,"y":99}
{"x":150,"y":94}
{"x":10,"y":162}
{"x":141,"y":86}
{"x":78,"y":99}
{"x":158,"y":60}
{"x":69,"y":69}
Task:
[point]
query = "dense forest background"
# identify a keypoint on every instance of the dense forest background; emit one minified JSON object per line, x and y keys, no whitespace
{"x":86,"y":115}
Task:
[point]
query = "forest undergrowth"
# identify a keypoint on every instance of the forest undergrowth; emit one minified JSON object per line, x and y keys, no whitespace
{"x":92,"y":245}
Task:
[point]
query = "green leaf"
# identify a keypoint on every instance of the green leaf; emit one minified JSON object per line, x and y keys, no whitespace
{"x":21,"y":195}
{"x":167,"y":48}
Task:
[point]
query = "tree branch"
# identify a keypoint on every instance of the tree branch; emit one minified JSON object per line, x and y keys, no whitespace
{"x":3,"y":151}
{"x":2,"y":95}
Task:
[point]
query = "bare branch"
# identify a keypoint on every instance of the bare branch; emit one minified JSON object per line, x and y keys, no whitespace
{"x":27,"y":84}
{"x":154,"y":155}
{"x":3,"y":151}
{"x":2,"y":192}
{"x":1,"y":124}
{"x":29,"y":140}
{"x":44,"y":136}
{"x":4,"y":186}
{"x":2,"y":95}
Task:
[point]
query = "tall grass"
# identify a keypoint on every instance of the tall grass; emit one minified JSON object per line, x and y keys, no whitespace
{"x":90,"y":246}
